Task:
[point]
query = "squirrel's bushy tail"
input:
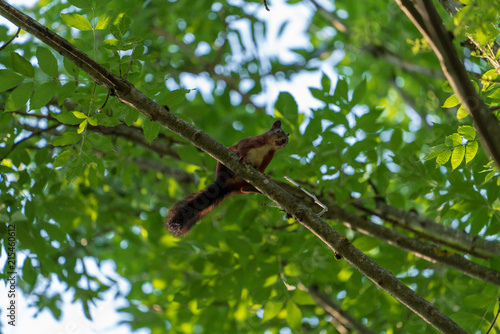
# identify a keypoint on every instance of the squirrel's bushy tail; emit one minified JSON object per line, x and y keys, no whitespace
{"x":184,"y":215}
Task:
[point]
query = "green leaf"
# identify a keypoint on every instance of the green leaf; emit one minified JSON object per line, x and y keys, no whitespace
{"x":432,"y":154}
{"x":21,"y":65}
{"x":83,"y":4}
{"x":92,"y":121}
{"x":271,"y":309}
{"x":47,"y":61}
{"x":467,"y":131}
{"x":358,"y":93}
{"x":443,"y":158}
{"x":79,"y":114}
{"x":87,"y":153}
{"x":326,"y":83}
{"x":488,"y":77}
{"x":100,"y":142}
{"x":120,"y":25}
{"x":457,"y":156}
{"x":447,"y":87}
{"x":489,"y":176}
{"x":9,"y":79}
{"x":451,"y":102}
{"x":293,"y":315}
{"x":172,"y":98}
{"x":72,"y":69}
{"x":111,"y":43}
{"x":462,"y":113}
{"x":494,"y":94}
{"x":67,"y":138}
{"x":19,"y":96}
{"x":76,"y":21}
{"x":190,"y":155}
{"x":151,"y":129}
{"x":129,"y":115}
{"x":63,"y":158}
{"x":103,"y":21}
{"x":471,"y":150}
{"x":75,"y":169}
{"x":286,"y":106}
{"x":67,"y":118}
{"x":105,"y":120}
{"x":453,"y":140}
{"x":341,"y":90}
{"x":17,"y":217}
{"x":4,"y":218}
{"x":66,"y":91}
{"x":43,"y":94}
{"x":82,"y":126}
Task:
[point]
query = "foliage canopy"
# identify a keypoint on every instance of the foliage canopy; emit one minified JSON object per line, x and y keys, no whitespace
{"x":376,"y":129}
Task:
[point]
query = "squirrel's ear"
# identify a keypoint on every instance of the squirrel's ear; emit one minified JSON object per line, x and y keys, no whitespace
{"x":276,"y":124}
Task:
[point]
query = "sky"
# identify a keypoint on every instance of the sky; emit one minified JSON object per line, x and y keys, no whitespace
{"x":105,"y":317}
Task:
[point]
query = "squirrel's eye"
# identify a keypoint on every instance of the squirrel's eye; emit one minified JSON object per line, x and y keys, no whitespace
{"x":277,"y":131}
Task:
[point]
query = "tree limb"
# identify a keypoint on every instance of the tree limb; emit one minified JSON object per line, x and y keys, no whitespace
{"x":414,"y":220}
{"x":130,"y":133}
{"x":429,"y":252}
{"x":343,"y":318}
{"x":129,"y":95}
{"x":425,"y":17}
{"x":453,"y":7}
{"x":377,"y":50}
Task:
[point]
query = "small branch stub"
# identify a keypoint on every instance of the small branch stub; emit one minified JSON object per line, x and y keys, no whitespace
{"x":266,"y":4}
{"x":316,"y":200}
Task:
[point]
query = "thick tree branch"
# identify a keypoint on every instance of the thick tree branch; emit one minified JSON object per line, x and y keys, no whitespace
{"x":425,"y":17}
{"x":129,"y":95}
{"x":377,"y":50}
{"x":429,"y":227}
{"x":453,"y":7}
{"x":429,"y":252}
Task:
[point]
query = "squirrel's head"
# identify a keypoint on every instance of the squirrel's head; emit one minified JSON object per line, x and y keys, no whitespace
{"x":278,"y":136}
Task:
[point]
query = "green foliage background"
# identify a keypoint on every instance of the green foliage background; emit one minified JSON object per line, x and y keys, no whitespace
{"x":77,"y":184}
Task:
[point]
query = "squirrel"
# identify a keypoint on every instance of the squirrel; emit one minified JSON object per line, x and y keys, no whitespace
{"x":257,"y":151}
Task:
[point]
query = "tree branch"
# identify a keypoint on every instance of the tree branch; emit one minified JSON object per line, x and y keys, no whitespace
{"x":429,"y":227}
{"x":377,"y":50}
{"x":425,"y":17}
{"x":130,"y":133}
{"x":344,"y":318}
{"x":129,"y":95}
{"x":453,"y":7}
{"x":428,"y":252}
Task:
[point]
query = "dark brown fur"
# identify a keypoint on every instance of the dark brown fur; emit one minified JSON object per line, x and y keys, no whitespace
{"x":257,"y":151}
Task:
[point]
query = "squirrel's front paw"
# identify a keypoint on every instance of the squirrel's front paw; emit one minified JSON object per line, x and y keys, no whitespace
{"x":245,"y":161}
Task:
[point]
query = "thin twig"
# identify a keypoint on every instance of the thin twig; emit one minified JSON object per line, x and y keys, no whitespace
{"x":495,"y":319}
{"x":266,"y":5}
{"x":129,"y":64}
{"x":104,"y":104}
{"x":10,"y":40}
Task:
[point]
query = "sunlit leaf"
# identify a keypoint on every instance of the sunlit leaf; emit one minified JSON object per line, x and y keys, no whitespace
{"x":76,"y":21}
{"x":470,"y":151}
{"x":468,"y":132}
{"x":457,"y":156}
{"x":451,"y":102}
